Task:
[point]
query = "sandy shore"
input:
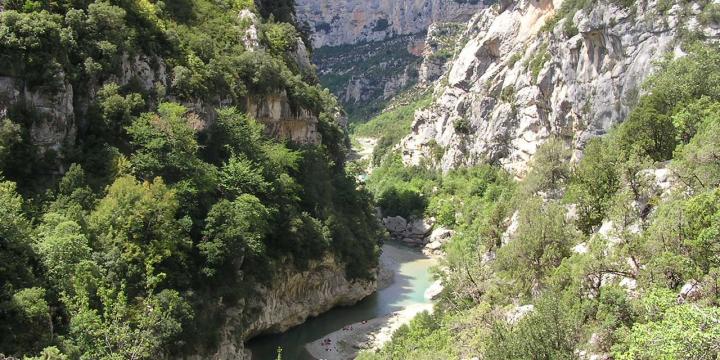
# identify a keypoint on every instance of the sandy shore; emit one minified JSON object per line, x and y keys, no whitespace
{"x":372,"y":334}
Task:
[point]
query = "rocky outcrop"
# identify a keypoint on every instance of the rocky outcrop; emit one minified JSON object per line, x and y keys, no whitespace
{"x":388,"y":46}
{"x":437,"y":239}
{"x":282,"y":121}
{"x":515,"y":83}
{"x":419,"y":233}
{"x":414,"y":232}
{"x":441,"y":44}
{"x":337,"y":22}
{"x":53,"y":109}
{"x":292,"y":297}
{"x":295,"y":296}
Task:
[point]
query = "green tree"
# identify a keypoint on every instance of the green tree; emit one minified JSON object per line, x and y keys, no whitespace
{"x":648,"y":131}
{"x":166,"y":144}
{"x":697,"y":164}
{"x":32,"y":304}
{"x":681,"y":332}
{"x":136,"y":228}
{"x":15,"y":274}
{"x":128,"y":330}
{"x":235,"y":230}
{"x":542,"y":240}
{"x":9,"y":136}
{"x":549,"y":169}
{"x":62,"y":245}
{"x":692,"y":116}
{"x":242,"y":176}
{"x":49,"y":353}
{"x":593,"y":184}
{"x":550,"y":331}
{"x":118,"y":110}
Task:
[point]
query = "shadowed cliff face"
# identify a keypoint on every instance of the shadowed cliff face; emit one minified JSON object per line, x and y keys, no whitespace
{"x":292,"y":298}
{"x":516,"y":82}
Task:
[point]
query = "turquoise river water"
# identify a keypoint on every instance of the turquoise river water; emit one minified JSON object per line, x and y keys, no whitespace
{"x":412,"y":278}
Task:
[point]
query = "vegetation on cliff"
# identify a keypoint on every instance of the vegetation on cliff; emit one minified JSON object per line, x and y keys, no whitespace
{"x":615,"y":254}
{"x":171,"y":205}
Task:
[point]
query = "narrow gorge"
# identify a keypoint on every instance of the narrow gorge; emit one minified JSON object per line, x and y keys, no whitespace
{"x":316,"y":179}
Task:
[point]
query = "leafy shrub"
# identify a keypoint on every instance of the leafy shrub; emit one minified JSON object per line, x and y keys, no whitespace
{"x":462,"y":126}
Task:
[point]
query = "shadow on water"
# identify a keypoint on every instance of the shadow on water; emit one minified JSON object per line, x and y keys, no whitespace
{"x":411,"y":280}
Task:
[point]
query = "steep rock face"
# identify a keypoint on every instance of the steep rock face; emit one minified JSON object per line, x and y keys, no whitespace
{"x":364,"y":75}
{"x":289,"y":301}
{"x":282,"y":122}
{"x":441,"y":44}
{"x":512,"y":86}
{"x":369,"y":51}
{"x":337,"y":22}
{"x":56,"y":125}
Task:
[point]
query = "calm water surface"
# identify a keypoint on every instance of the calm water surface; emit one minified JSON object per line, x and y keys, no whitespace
{"x":412,"y":278}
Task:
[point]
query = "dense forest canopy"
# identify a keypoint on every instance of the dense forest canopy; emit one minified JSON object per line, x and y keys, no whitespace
{"x":169,"y":204}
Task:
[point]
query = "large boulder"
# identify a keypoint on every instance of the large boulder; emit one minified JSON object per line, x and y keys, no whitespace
{"x":434,"y":290}
{"x":395,"y":224}
{"x":441,"y":235}
{"x":420,"y":227}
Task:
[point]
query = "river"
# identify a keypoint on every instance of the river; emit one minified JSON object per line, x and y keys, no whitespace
{"x":411,"y":279}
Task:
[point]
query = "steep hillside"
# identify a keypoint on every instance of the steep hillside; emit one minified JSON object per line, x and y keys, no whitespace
{"x":368,"y":52}
{"x":172,"y":181}
{"x":344,"y":22}
{"x":564,"y":168}
{"x":534,"y":70}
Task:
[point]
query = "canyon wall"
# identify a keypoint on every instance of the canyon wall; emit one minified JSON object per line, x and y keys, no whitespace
{"x":61,"y":110}
{"x":337,"y":22}
{"x":292,"y":297}
{"x":369,"y":51}
{"x":518,"y":81}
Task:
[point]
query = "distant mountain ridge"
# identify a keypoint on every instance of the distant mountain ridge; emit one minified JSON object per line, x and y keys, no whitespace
{"x":351,"y":21}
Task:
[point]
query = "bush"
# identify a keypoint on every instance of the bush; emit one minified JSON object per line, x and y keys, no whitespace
{"x":683,"y":332}
{"x":462,"y":126}
{"x":550,"y":331}
{"x":711,"y":14}
{"x":402,"y":202}
{"x":593,"y":184}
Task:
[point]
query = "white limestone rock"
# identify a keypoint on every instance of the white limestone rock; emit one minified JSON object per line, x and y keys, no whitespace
{"x":441,"y":235}
{"x":338,"y":22}
{"x":691,"y":291}
{"x":576,"y":88}
{"x":516,"y":314}
{"x":434,"y":290}
{"x":420,"y":227}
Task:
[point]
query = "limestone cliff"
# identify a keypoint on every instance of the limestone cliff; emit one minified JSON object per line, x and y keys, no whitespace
{"x":518,"y":81}
{"x":281,"y":121}
{"x":351,"y":21}
{"x":61,"y":110}
{"x":369,"y":51}
{"x":292,"y":297}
